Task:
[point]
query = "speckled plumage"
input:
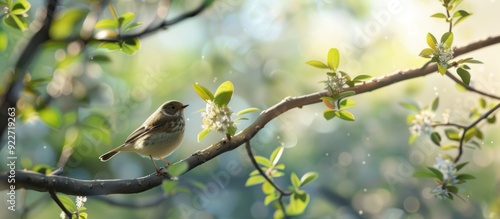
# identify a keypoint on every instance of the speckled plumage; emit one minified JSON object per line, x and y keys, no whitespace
{"x":158,"y":136}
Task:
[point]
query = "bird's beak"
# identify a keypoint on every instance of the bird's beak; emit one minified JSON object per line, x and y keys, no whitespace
{"x":184,"y":106}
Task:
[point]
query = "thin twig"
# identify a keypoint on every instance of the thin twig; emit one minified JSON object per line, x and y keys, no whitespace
{"x":469,"y":88}
{"x":472,"y":125}
{"x":60,"y":204}
{"x":262,"y":173}
{"x":449,"y":124}
{"x":254,"y":162}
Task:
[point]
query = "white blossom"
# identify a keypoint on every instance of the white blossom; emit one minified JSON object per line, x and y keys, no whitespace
{"x":446,"y":116}
{"x":422,"y":123}
{"x":80,"y":201}
{"x":441,"y":193}
{"x":335,"y":84}
{"x":217,"y":118}
{"x":447,"y":168}
{"x":444,"y":54}
{"x":62,"y":215}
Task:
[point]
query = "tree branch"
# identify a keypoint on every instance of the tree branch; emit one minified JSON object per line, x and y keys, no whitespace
{"x":469,"y":88}
{"x":39,"y":182}
{"x":60,"y":204}
{"x":472,"y":125}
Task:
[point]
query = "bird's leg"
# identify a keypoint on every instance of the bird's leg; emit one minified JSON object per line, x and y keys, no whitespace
{"x":166,"y":161}
{"x":158,"y":171}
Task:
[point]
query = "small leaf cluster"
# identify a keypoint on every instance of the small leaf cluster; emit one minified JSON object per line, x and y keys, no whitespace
{"x":78,"y":211}
{"x":470,"y":137}
{"x":14,"y":15}
{"x":336,"y":82}
{"x":452,"y":13}
{"x":118,"y":25}
{"x":217,"y":116}
{"x":442,"y":52}
{"x":445,"y":187}
{"x":299,"y":199}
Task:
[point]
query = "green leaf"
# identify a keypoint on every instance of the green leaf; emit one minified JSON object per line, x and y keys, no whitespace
{"x":276,"y":174}
{"x":333,"y":59}
{"x":329,"y":114}
{"x":298,"y":203}
{"x":131,"y":45}
{"x":436,"y":172}
{"x":492,"y":119}
{"x":100,"y":58}
{"x":168,"y":186}
{"x":270,"y":198}
{"x":345,"y":115}
{"x":447,"y":39}
{"x":346,"y":103}
{"x":125,"y":18}
{"x":51,"y":116}
{"x":360,"y":78}
{"x":426,"y":53}
{"x":473,"y":61}
{"x":412,"y":138}
{"x":435,"y":104}
{"x":464,"y":75}
{"x":431,"y":41}
{"x":344,"y":94}
{"x":267,"y":188}
{"x":439,"y":15}
{"x":295,"y":180}
{"x":203,"y":92}
{"x":3,"y":40}
{"x":20,"y":7}
{"x":248,"y":110}
{"x":110,"y":45}
{"x":436,"y":138}
{"x":469,"y":134}
{"x":16,"y":21}
{"x":107,"y":24}
{"x":465,"y":177}
{"x":410,"y":106}
{"x":307,"y":178}
{"x":255,"y":180}
{"x":66,"y":24}
{"x":131,"y":26}
{"x":317,"y":64}
{"x":463,"y":14}
{"x":276,"y":155}
{"x":441,"y":69}
{"x":423,"y":174}
{"x":67,"y":202}
{"x":263,"y":161}
{"x":452,"y":189}
{"x":203,"y":133}
{"x":482,"y":103}
{"x":178,"y":169}
{"x":448,"y":147}
{"x":452,"y":134}
{"x":460,"y":166}
{"x":223,"y":94}
{"x":231,"y":130}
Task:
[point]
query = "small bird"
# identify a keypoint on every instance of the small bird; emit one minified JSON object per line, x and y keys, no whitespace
{"x":157,"y":137}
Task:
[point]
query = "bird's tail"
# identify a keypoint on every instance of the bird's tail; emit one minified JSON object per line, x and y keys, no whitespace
{"x":108,"y":155}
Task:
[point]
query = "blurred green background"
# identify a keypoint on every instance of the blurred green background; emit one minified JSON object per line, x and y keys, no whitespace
{"x":261,"y":46}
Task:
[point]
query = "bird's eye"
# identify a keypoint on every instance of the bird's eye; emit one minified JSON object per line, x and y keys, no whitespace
{"x":172,"y":107}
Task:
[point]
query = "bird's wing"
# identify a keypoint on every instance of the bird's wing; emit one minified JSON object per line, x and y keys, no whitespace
{"x":146,"y":128}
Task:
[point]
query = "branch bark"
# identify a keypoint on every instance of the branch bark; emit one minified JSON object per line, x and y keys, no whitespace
{"x":43,"y":183}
